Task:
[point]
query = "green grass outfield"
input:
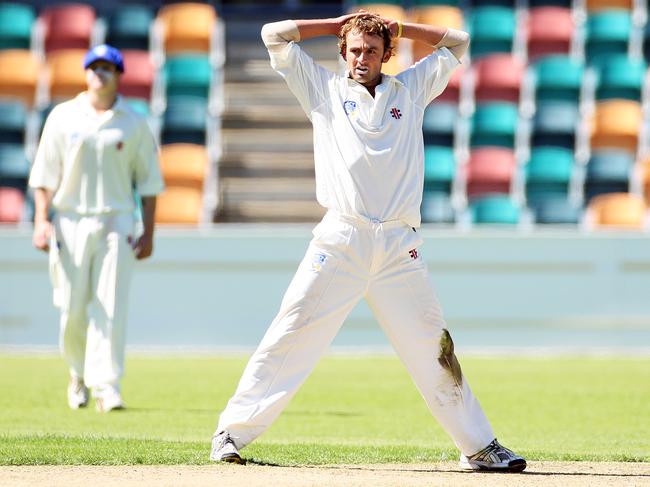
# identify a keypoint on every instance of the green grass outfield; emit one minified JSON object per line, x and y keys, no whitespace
{"x":351,"y":410}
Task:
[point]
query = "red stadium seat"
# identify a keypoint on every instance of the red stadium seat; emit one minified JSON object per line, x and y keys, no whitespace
{"x":19,"y":72}
{"x":550,"y":30}
{"x":138,"y":74}
{"x":68,"y":26}
{"x":490,"y":170}
{"x":12,"y":203}
{"x":498,"y":78}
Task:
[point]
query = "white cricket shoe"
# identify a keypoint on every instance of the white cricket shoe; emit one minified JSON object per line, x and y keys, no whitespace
{"x":494,"y":458}
{"x":224,"y":449}
{"x":109,"y":400}
{"x":77,"y":393}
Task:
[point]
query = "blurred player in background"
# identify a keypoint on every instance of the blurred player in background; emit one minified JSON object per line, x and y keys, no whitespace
{"x":94,"y":155}
{"x":368,"y":151}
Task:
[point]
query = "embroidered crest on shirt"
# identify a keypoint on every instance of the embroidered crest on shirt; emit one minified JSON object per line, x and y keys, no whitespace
{"x":413,"y":253}
{"x":350,"y":107}
{"x":395,"y":113}
{"x":317,"y":262}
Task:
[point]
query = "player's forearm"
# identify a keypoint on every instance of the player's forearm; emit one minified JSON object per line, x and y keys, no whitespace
{"x":41,"y":204}
{"x":455,"y":40}
{"x":148,"y":214}
{"x":278,"y":34}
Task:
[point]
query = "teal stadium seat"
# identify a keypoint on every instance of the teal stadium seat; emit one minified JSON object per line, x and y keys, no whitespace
{"x":128,"y":27}
{"x":494,"y":124}
{"x":555,"y":210}
{"x":439,"y":169}
{"x":188,"y":74}
{"x":439,"y":123}
{"x":13,"y":118}
{"x":492,"y":29}
{"x":437,"y":208}
{"x":16,"y":22}
{"x":495,"y":209}
{"x":14,"y":166}
{"x":184,"y":120}
{"x":608,"y":34}
{"x":554,"y":124}
{"x":139,"y":105}
{"x":608,"y":171}
{"x":558,"y":78}
{"x":621,"y":77}
{"x":548,"y":173}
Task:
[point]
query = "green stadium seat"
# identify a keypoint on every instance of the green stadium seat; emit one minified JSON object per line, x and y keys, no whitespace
{"x":621,"y":77}
{"x":437,"y":208}
{"x":607,"y":33}
{"x":188,"y":74}
{"x":548,"y":173}
{"x":128,"y":27}
{"x":494,"y":209}
{"x":14,"y":166}
{"x":558,"y":78}
{"x":439,"y":123}
{"x":554,"y":124}
{"x":439,"y":169}
{"x":555,"y":210}
{"x":13,"y":118}
{"x":184,"y":120}
{"x":494,"y":124}
{"x":608,"y":171}
{"x":492,"y":29}
{"x":16,"y":22}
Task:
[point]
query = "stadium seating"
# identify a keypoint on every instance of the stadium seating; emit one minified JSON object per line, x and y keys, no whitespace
{"x":67,"y":26}
{"x":12,"y":203}
{"x":128,"y":27}
{"x":554,"y":124}
{"x":494,"y":124}
{"x":65,"y":73}
{"x":437,"y":208}
{"x":498,"y":78}
{"x":439,"y":123}
{"x":13,"y":118}
{"x":548,"y":174}
{"x":179,"y":204}
{"x":550,"y":31}
{"x":608,"y":172}
{"x":607,"y":33}
{"x":620,"y":210}
{"x":139,"y":105}
{"x":184,"y":163}
{"x":138,"y":76}
{"x":597,"y":5}
{"x":187,"y":27}
{"x":184,"y":120}
{"x":16,"y":22}
{"x":188,"y":75}
{"x":447,"y":15}
{"x":19,"y":71}
{"x":14,"y":166}
{"x":492,"y":29}
{"x":616,"y":125}
{"x":439,"y":169}
{"x":558,"y":78}
{"x":489,"y":170}
{"x":621,"y":77}
{"x":495,"y":209}
{"x":555,"y":210}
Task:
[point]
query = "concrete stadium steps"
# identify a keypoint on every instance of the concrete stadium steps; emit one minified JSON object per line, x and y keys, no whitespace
{"x":267,"y":164}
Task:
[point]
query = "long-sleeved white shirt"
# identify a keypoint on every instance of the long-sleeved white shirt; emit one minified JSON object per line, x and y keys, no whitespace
{"x":93,"y":162}
{"x":368,"y":152}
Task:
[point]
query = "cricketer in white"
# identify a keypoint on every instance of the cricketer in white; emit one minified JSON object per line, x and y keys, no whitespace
{"x":368,"y":151}
{"x":94,"y":153}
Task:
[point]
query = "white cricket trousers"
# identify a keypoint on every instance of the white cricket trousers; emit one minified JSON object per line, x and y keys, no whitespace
{"x":346,"y":260}
{"x":91,"y":263}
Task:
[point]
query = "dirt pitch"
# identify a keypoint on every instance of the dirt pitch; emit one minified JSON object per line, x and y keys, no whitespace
{"x":546,"y":474}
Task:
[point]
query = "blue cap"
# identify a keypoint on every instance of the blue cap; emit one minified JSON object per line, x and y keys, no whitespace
{"x":104,"y":52}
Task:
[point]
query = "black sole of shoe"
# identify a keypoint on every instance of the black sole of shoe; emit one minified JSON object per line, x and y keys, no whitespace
{"x":234,"y":459}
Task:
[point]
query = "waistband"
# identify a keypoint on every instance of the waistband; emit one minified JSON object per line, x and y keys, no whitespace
{"x":363,"y":221}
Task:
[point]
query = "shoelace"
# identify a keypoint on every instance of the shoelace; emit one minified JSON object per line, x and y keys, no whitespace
{"x":226,"y":440}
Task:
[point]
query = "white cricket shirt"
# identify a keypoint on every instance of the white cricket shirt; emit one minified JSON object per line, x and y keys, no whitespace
{"x":368,"y":152}
{"x":92,"y":162}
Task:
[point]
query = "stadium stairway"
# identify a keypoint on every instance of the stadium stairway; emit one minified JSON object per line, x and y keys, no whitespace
{"x":266,"y":173}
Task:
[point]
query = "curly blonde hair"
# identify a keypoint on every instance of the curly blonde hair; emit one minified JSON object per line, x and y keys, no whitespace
{"x":366,"y":24}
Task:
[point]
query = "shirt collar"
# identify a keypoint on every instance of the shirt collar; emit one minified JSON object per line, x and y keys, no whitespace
{"x":386,"y":81}
{"x":118,"y":106}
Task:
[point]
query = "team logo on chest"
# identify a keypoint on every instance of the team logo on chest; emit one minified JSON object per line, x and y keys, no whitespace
{"x":395,"y":113}
{"x":350,"y":107}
